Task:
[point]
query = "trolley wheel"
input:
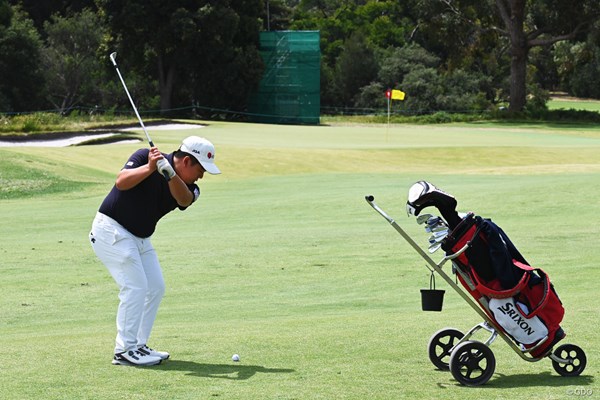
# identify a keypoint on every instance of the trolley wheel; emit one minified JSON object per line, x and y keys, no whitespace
{"x":576,"y":357}
{"x":472,"y":363}
{"x":440,"y":345}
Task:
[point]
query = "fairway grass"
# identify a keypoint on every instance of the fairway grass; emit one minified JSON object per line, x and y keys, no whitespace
{"x":573,"y":104}
{"x":284,"y":263}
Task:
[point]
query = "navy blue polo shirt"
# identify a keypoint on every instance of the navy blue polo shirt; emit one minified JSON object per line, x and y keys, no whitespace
{"x":140,"y":208}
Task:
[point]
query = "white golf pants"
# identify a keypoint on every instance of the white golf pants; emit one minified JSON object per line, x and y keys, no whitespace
{"x":134,"y":266}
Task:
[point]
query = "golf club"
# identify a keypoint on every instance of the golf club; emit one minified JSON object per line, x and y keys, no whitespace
{"x":423,"y":218}
{"x":113,"y":58}
{"x":436,"y":228}
{"x":435,"y":221}
{"x":438,"y":236}
{"x":434,"y":247}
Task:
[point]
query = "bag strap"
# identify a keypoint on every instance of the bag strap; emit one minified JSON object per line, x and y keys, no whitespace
{"x":545,"y":280}
{"x":499,"y":294}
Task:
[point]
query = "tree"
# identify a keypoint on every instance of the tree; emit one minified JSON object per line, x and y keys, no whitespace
{"x":541,"y":23}
{"x":352,"y":33}
{"x":426,"y":85}
{"x":70,"y":60}
{"x":41,"y":11}
{"x":21,"y":77}
{"x":371,"y":96}
{"x":195,"y":50}
{"x":525,"y":24}
{"x":276,"y":15}
{"x":5,"y":19}
{"x":356,"y":67}
{"x":400,"y":61}
{"x":227,"y":66}
{"x":383,"y":23}
{"x":584,"y":79}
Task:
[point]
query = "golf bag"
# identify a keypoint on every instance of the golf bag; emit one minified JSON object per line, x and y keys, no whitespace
{"x":520,"y":298}
{"x":517,"y":302}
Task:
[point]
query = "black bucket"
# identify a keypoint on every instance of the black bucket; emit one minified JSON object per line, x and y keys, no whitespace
{"x":432,"y":299}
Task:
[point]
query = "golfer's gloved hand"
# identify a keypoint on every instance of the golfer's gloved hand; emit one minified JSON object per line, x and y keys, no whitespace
{"x":165,"y":169}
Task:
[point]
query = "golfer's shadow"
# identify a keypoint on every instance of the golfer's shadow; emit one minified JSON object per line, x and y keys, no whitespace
{"x":222,"y":371}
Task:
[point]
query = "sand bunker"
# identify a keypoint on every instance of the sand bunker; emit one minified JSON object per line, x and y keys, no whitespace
{"x":79,"y":138}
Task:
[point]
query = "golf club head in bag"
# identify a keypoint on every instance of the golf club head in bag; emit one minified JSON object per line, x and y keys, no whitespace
{"x":423,"y":194}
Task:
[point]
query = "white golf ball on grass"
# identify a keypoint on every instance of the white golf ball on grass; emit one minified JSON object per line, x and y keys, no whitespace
{"x":235,"y":358}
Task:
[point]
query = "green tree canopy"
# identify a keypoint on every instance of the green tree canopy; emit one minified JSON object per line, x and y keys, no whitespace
{"x":70,"y":59}
{"x":196,"y":50}
{"x":518,"y":25}
{"x":21,"y":75}
{"x":41,"y":11}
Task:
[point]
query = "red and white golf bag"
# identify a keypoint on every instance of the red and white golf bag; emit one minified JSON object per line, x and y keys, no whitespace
{"x":520,"y":298}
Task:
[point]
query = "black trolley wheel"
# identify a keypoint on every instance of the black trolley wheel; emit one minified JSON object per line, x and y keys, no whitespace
{"x":440,"y":345}
{"x":575,"y":355}
{"x":472,"y":363}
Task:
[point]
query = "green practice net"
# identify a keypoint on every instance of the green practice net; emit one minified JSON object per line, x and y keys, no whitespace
{"x":289,"y":92}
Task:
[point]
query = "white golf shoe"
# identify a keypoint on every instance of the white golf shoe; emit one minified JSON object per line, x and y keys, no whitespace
{"x":135,"y":358}
{"x":163,"y":355}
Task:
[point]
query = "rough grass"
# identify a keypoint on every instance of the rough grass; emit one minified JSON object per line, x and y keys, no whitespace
{"x":25,"y":177}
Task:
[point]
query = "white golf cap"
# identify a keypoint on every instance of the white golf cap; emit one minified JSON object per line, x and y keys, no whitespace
{"x":203,"y":151}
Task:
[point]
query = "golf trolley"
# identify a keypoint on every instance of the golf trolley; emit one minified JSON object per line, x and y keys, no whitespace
{"x":525,"y":316}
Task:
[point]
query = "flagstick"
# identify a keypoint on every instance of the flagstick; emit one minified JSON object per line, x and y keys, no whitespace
{"x":387,"y":129}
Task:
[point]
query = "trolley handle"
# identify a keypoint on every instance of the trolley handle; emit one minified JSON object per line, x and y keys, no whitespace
{"x":370,"y":199}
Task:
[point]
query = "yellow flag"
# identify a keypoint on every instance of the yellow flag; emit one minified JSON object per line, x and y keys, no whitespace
{"x":398,"y":95}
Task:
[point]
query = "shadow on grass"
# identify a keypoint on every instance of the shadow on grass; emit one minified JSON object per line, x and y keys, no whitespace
{"x":544,"y":379}
{"x":221,"y":371}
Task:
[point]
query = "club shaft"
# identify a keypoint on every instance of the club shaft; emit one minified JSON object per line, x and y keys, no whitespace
{"x":131,"y":100}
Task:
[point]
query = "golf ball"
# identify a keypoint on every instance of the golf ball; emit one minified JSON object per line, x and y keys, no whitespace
{"x":235,"y":357}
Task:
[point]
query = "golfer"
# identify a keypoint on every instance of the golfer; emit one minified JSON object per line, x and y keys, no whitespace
{"x":150,"y":185}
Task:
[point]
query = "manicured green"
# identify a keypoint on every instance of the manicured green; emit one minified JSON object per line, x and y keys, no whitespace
{"x":283,"y":262}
